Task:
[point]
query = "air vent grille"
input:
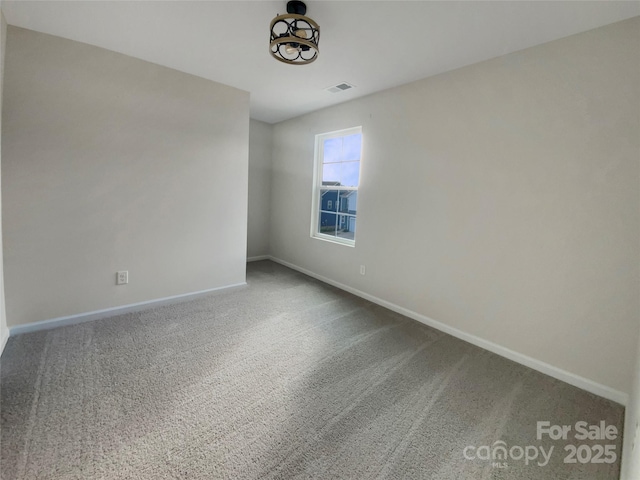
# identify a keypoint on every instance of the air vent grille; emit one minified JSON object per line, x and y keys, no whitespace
{"x":341,"y":87}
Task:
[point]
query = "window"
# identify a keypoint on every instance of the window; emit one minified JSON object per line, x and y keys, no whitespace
{"x":336,"y":180}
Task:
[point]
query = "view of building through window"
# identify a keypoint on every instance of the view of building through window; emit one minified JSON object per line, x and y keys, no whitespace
{"x":338,"y":176}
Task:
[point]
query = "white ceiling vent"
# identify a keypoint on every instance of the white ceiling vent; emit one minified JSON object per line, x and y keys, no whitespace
{"x":341,"y":87}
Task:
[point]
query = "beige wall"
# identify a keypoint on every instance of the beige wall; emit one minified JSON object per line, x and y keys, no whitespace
{"x":112,"y":163}
{"x":4,"y":330}
{"x":260,"y":145}
{"x":500,"y":199}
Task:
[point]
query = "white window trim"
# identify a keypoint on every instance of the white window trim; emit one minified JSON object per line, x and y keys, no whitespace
{"x":318,"y":155}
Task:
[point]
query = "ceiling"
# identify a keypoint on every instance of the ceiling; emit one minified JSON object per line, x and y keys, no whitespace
{"x":373,"y":45}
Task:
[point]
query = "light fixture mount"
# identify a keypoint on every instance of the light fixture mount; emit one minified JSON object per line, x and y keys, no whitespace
{"x":294,"y":37}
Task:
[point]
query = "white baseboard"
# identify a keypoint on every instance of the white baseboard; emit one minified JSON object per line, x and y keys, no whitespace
{"x":257,"y":258}
{"x":555,"y":372}
{"x":110,"y":312}
{"x":3,"y":341}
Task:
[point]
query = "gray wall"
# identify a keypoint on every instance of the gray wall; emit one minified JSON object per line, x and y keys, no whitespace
{"x":500,"y":199}
{"x":4,"y":330}
{"x":260,"y":146}
{"x":112,"y":163}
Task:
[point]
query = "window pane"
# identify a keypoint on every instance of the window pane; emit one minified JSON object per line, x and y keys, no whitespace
{"x":348,"y":200}
{"x":350,"y":174}
{"x":332,"y":150}
{"x":329,"y":200}
{"x":331,"y":173}
{"x":337,"y":183}
{"x":351,"y":146}
{"x":327,"y":223}
{"x":346,"y":227}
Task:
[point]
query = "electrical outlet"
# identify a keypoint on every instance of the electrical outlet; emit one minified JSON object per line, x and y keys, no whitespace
{"x":122,"y":278}
{"x":362,"y":269}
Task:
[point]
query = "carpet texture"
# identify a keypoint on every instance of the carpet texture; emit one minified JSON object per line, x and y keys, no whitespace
{"x":285,"y":378}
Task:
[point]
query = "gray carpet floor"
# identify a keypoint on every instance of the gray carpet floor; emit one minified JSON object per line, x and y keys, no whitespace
{"x":285,"y":378}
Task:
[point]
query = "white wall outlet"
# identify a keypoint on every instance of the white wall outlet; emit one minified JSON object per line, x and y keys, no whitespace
{"x":362,"y":269}
{"x":122,"y":278}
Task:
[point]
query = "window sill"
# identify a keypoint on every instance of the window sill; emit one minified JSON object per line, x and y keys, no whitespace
{"x":330,"y":239}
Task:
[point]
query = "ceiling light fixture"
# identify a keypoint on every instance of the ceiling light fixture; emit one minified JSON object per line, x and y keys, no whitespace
{"x":294,"y":37}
